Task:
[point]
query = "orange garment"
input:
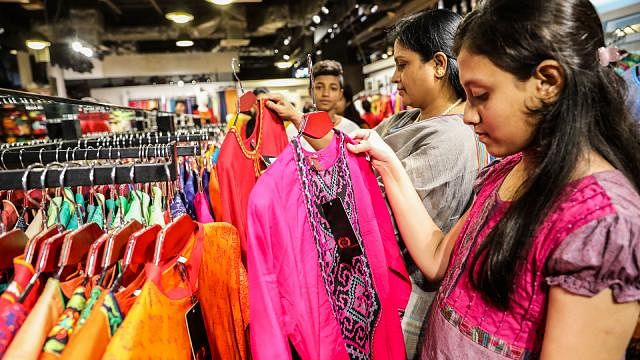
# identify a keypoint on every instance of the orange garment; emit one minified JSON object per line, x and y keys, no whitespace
{"x":91,"y":340}
{"x":27,"y":343}
{"x":223,"y":292}
{"x":155,"y":327}
{"x":214,"y":194}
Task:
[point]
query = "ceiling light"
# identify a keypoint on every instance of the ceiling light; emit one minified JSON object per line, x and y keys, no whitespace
{"x":180,"y":83}
{"x":329,"y":30}
{"x":287,"y":41}
{"x":1,"y":30}
{"x":86,"y":52}
{"x":13,"y":52}
{"x":283,"y":64}
{"x":76,"y":46}
{"x":357,"y":6}
{"x":276,"y":51}
{"x":316,"y":19}
{"x":221,"y":2}
{"x":184,"y":43}
{"x":312,"y":28}
{"x":325,"y":10}
{"x":286,"y":57}
{"x":374,"y":8}
{"x":335,"y":26}
{"x":193,"y":82}
{"x":37,"y":44}
{"x":333,"y":35}
{"x":385,"y":56}
{"x":363,"y":18}
{"x":318,"y":52}
{"x":179,"y":17}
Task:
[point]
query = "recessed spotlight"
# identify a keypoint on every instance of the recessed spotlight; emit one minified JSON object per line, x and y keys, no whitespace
{"x":193,"y":82}
{"x":385,"y":56}
{"x":286,"y":57}
{"x":76,"y":46}
{"x":283,"y":64}
{"x":318,"y":52}
{"x":316,"y":19}
{"x":325,"y":10}
{"x":363,"y":18}
{"x":37,"y":44}
{"x":86,"y":52}
{"x":184,"y":43}
{"x":329,"y":30}
{"x":221,"y":2}
{"x":287,"y":41}
{"x":357,"y":6}
{"x":335,"y":26}
{"x":374,"y":8}
{"x":179,"y":17}
{"x":312,"y":28}
{"x":276,"y":51}
{"x":13,"y":52}
{"x":180,"y":83}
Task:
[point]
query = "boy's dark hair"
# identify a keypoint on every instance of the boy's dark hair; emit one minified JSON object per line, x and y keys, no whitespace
{"x":427,"y":33}
{"x":590,"y":113}
{"x":366,"y":106}
{"x":329,"y":67}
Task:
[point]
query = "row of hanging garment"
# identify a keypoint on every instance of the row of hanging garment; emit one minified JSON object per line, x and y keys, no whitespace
{"x":121,"y":271}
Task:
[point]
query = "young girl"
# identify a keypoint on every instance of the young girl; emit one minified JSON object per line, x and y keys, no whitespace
{"x":546,"y":261}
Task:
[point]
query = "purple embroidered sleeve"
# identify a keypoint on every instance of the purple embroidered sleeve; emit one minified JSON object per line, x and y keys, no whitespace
{"x":602,"y":254}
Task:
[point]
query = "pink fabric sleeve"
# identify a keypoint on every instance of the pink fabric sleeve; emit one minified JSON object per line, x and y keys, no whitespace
{"x":268,"y":337}
{"x":604,"y":253}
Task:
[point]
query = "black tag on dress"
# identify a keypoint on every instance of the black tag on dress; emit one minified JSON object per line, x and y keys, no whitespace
{"x":197,"y":332}
{"x":346,"y":240}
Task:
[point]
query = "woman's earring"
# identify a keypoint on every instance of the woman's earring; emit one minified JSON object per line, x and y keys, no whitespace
{"x":439,"y":72}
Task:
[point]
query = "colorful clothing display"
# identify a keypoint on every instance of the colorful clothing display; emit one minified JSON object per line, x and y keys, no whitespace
{"x":598,"y":212}
{"x":59,"y":335}
{"x":307,"y":294}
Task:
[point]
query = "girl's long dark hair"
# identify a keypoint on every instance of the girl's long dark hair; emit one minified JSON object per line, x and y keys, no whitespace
{"x":590,"y":113}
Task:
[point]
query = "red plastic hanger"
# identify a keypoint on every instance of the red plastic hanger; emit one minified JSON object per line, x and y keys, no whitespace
{"x":315,"y":124}
{"x":139,"y":251}
{"x":169,"y":244}
{"x":12,"y":244}
{"x":94,"y":257}
{"x":35,"y":244}
{"x":248,"y":99}
{"x":76,"y":246}
{"x":115,"y":247}
{"x":47,"y":259}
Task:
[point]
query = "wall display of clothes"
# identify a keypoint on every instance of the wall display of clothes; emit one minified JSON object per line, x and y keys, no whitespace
{"x":21,"y":123}
{"x":383,"y":105}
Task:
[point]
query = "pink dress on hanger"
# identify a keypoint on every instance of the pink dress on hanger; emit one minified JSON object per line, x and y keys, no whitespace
{"x":302,"y":295}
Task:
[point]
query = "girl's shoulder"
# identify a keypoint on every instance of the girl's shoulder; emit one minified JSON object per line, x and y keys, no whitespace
{"x":594,"y":238}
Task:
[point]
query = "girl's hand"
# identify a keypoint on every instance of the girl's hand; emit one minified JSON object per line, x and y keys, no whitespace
{"x":369,"y":142}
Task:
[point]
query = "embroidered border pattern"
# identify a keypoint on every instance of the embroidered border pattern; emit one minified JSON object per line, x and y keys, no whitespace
{"x":485,"y":339}
{"x":350,"y":288}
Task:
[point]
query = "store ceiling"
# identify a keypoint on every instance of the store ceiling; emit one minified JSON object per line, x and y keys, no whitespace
{"x":260,"y":30}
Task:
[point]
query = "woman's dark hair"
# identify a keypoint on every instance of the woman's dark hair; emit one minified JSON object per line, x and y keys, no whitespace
{"x":590,"y":113}
{"x":427,"y":33}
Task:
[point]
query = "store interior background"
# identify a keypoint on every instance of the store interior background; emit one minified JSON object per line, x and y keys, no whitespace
{"x":128,"y":52}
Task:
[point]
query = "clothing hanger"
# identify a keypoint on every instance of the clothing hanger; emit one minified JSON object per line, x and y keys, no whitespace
{"x":12,"y":244}
{"x":37,"y":241}
{"x":168,"y":244}
{"x":140,"y":250}
{"x":315,"y":124}
{"x":76,"y":243}
{"x":115,"y":245}
{"x":247,"y":100}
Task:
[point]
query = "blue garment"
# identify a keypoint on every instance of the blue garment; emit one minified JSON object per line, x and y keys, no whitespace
{"x":632,"y":77}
